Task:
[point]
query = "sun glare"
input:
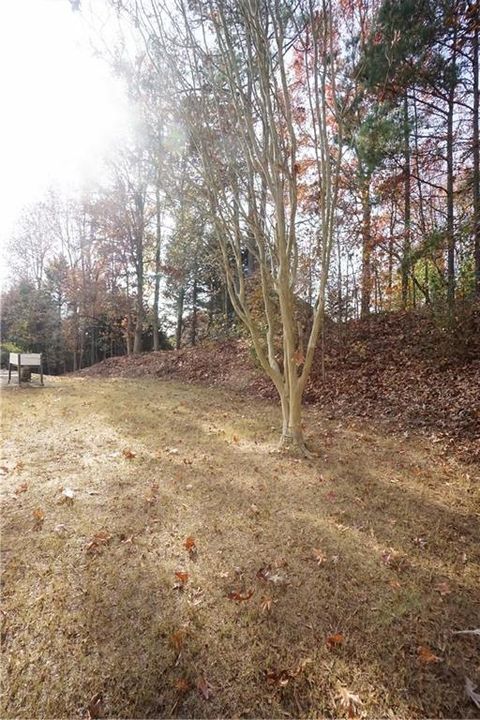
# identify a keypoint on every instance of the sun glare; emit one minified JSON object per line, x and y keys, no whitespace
{"x":62,"y":108}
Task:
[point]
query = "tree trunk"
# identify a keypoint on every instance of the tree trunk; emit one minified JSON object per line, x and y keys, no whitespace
{"x":193,"y":334}
{"x":158,"y":257}
{"x":366,"y":249}
{"x":178,"y":333}
{"x":138,"y":336}
{"x":292,"y":432}
{"x":407,"y":210}
{"x":476,"y":151}
{"x":450,"y":180}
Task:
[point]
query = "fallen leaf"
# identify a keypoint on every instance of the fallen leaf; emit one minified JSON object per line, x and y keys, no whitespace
{"x":235,"y":439}
{"x":98,"y":541}
{"x":278,"y":678}
{"x":240,"y":597}
{"x":182,"y":576}
{"x":319,"y":556}
{"x":264,"y":573}
{"x":266,"y":603}
{"x":38,"y":518}
{"x":23,"y":487}
{"x":177,"y":639}
{"x":95,"y":707}
{"x":204,"y":687}
{"x":60,"y":529}
{"x":426,"y":656}
{"x":348,"y":701}
{"x":182,"y":685}
{"x":190,"y":545}
{"x":334,"y":640}
{"x":470,"y":690}
{"x":128,"y":454}
{"x":394,"y":584}
{"x":421,"y":542}
{"x":443,"y":588}
{"x":301,"y":666}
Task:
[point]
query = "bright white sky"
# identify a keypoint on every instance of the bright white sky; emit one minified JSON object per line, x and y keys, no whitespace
{"x":61,"y":107}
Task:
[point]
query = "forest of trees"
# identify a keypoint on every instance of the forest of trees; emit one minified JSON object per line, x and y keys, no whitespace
{"x":290,"y":159}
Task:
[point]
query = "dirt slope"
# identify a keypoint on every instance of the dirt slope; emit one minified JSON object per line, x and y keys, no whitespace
{"x":394,"y":369}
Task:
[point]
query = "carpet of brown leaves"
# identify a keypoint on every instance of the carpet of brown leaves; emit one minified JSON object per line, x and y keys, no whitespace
{"x":394,"y":369}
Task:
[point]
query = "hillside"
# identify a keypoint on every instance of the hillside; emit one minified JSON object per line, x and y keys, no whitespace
{"x":395,"y":369}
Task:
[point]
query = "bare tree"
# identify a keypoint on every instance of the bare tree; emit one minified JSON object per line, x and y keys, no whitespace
{"x":239,"y":95}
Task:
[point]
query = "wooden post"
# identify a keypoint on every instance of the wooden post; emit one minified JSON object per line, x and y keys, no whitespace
{"x":9,"y":370}
{"x":41,"y":371}
{"x":19,"y":369}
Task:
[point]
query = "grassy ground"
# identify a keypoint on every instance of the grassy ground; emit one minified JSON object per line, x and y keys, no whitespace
{"x":361,"y":563}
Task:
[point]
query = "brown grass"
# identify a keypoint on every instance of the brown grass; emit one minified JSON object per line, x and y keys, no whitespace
{"x":397,"y":522}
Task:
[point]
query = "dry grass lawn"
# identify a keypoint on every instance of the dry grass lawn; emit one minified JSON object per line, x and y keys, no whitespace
{"x":361,"y":562}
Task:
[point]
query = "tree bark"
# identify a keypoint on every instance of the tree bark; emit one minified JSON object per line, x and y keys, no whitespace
{"x":450,"y":179}
{"x":476,"y":150}
{"x":138,"y":334}
{"x":407,"y":205}
{"x":193,"y":334}
{"x":158,"y":258}
{"x":366,"y":249}
{"x":178,"y":333}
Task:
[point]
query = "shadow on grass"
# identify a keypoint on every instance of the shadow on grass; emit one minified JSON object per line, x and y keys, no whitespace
{"x":114,"y":623}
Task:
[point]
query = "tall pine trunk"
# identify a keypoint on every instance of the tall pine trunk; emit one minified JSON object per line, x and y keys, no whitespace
{"x":179,"y":328}
{"x":406,"y":207}
{"x":366,"y":249}
{"x":450,"y":178}
{"x":476,"y":150}
{"x":158,"y":258}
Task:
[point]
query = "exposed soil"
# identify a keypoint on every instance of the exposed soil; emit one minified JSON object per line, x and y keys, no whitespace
{"x":362,"y":562}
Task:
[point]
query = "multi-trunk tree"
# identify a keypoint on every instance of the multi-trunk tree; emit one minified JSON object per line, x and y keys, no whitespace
{"x":237,"y":75}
